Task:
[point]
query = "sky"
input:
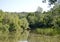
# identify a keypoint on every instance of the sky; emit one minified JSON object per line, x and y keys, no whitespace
{"x":22,"y":5}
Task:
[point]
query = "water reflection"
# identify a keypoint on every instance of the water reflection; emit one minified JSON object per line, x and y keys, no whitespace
{"x":14,"y":36}
{"x":23,"y":41}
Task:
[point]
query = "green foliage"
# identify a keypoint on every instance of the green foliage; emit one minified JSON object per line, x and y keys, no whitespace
{"x":13,"y":26}
{"x":48,"y":22}
{"x":46,"y":31}
{"x":50,"y":1}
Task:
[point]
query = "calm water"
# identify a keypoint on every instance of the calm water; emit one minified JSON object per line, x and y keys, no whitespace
{"x":22,"y":41}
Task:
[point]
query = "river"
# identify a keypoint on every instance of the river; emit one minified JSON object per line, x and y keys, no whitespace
{"x":22,"y":41}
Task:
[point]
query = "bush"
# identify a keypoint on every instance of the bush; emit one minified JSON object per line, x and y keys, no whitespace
{"x":46,"y":31}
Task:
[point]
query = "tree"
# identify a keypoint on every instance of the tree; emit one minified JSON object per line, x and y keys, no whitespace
{"x":50,"y":1}
{"x":39,"y":10}
{"x":32,"y":19}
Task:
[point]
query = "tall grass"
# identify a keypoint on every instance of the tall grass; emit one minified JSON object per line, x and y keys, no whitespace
{"x":47,"y":31}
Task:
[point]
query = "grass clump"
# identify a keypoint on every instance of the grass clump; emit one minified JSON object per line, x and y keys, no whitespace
{"x":47,"y":31}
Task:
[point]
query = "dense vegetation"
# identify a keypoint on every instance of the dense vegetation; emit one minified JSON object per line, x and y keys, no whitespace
{"x":13,"y":25}
{"x":47,"y":23}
